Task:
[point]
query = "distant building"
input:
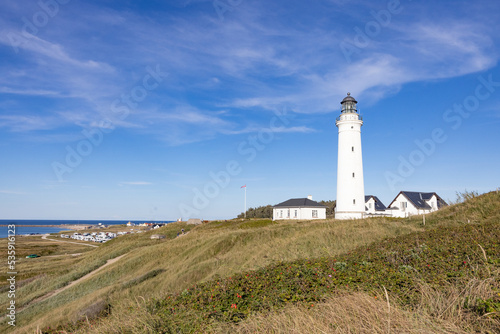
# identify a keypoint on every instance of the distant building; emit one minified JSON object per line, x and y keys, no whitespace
{"x":408,"y":203}
{"x":157,"y":236}
{"x":194,"y":221}
{"x":299,"y":208}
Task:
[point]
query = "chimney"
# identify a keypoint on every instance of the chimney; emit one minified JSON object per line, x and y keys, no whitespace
{"x":309,"y":197}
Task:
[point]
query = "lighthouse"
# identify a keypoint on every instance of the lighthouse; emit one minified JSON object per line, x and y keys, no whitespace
{"x":350,"y":185}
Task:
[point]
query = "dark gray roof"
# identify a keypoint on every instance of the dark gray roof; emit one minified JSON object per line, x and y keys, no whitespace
{"x":379,"y":206}
{"x":299,"y":203}
{"x":348,"y":98}
{"x":419,"y":199}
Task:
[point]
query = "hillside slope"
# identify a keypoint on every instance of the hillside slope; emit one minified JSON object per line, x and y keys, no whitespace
{"x":165,"y":270}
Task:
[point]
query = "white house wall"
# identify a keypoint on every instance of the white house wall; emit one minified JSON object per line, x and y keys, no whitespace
{"x":433,"y":203}
{"x":410,"y":209}
{"x":370,"y":205}
{"x":398,"y":203}
{"x":302,"y":213}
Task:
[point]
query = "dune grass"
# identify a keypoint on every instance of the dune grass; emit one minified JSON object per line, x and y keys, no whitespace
{"x":29,"y":268}
{"x":206,"y":252}
{"x":448,"y":262}
{"x":345,"y":313}
{"x":157,"y":269}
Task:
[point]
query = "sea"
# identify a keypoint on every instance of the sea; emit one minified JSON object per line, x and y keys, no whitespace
{"x":27,"y":230}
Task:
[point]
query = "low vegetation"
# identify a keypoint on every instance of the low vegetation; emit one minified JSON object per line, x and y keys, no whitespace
{"x":258,"y":275}
{"x":54,"y":259}
{"x":258,"y":212}
{"x":404,"y":267}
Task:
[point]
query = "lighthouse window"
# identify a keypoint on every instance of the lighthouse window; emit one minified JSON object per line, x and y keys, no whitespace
{"x":353,"y":201}
{"x":352,"y":174}
{"x":353,"y":148}
{"x":352,"y":127}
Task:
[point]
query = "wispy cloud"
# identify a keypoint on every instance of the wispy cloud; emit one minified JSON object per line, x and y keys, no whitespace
{"x":282,"y":129}
{"x":52,"y":50}
{"x":12,"y":192}
{"x":23,"y":123}
{"x":249,"y":63}
{"x":20,"y":91}
{"x":135,"y":183}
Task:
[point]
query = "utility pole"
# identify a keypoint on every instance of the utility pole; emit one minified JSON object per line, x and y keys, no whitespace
{"x":245,"y":212}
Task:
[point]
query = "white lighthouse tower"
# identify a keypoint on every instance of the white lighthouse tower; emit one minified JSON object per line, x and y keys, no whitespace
{"x":350,"y":185}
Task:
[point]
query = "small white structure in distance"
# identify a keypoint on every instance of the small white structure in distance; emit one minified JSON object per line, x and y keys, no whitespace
{"x":409,"y":203}
{"x":299,"y":208}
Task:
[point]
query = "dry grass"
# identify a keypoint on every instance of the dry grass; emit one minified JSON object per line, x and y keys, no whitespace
{"x":350,"y":313}
{"x":198,"y":256}
{"x":34,"y":273}
{"x":224,"y":249}
{"x":440,"y":311}
{"x":454,"y":304}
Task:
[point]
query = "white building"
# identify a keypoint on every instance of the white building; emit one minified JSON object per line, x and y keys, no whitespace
{"x":408,"y":203}
{"x":374,"y":206}
{"x":350,"y":184}
{"x":299,"y":208}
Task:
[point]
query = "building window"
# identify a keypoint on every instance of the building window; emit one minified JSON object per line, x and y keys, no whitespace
{"x":281,"y":213}
{"x":353,"y":148}
{"x":315,"y":213}
{"x":353,"y":201}
{"x":295,"y":213}
{"x":404,"y":205}
{"x":288,"y":213}
{"x":352,"y":174}
{"x":370,"y":205}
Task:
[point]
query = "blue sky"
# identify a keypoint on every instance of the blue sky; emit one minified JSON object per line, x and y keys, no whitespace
{"x":156,"y":110}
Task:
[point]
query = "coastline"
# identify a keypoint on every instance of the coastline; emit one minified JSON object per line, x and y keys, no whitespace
{"x":70,"y":227}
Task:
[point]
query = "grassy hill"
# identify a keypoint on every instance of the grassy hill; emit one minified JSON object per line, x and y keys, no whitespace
{"x":373,"y":275}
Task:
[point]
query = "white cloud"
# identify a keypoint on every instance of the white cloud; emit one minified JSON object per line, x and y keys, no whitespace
{"x":135,"y":183}
{"x":12,"y":192}
{"x":22,"y":123}
{"x":281,"y":129}
{"x":20,"y":91}
{"x":246,"y":63}
{"x":51,"y":50}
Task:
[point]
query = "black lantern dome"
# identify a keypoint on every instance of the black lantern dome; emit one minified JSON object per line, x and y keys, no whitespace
{"x":349,"y":104}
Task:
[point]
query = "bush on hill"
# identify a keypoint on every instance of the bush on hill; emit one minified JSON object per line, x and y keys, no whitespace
{"x":259,"y":212}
